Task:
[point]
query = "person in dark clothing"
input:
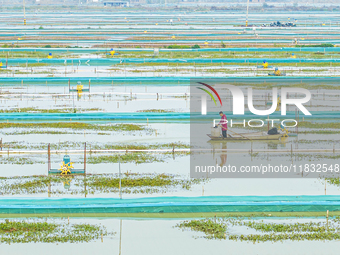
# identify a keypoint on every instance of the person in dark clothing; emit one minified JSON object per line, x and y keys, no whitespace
{"x":223,"y":124}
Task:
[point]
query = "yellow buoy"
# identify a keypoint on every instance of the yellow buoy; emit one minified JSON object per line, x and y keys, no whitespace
{"x":156,"y":24}
{"x":19,"y":39}
{"x":49,"y":55}
{"x":112,"y":52}
{"x":145,"y":31}
{"x":173,"y":37}
{"x":206,"y":43}
{"x":0,"y":64}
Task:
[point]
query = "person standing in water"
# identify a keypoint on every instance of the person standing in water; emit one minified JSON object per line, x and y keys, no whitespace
{"x":223,"y":124}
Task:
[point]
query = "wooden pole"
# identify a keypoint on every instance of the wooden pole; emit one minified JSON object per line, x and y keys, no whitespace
{"x":120,"y":237}
{"x":327,"y":218}
{"x":268,"y":122}
{"x":120,"y":182}
{"x":85,"y":159}
{"x":24,"y":9}
{"x":49,"y":156}
{"x":89,"y":84}
{"x":69,"y":85}
{"x":247,"y":13}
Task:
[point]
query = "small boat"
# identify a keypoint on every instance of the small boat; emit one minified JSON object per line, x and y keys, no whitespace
{"x":247,"y":136}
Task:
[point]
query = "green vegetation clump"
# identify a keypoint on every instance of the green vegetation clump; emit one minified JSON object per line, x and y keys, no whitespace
{"x":93,"y":184}
{"x":273,"y":232}
{"x":323,"y":45}
{"x":66,"y":145}
{"x":75,"y":125}
{"x":212,"y":229}
{"x":294,"y":227}
{"x":19,"y":161}
{"x":175,"y":46}
{"x":156,"y":110}
{"x":64,"y":110}
{"x":26,"y":185}
{"x":137,"y":183}
{"x":137,"y":158}
{"x":333,"y":181}
{"x":28,"y":231}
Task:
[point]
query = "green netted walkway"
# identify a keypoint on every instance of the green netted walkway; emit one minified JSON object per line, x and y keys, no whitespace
{"x":215,"y":204}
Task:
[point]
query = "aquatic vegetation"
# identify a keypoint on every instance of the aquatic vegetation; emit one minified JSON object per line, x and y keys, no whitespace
{"x":307,"y":124}
{"x":156,"y":110}
{"x":334,"y":181}
{"x":322,"y":45}
{"x":101,"y":183}
{"x":34,"y":65}
{"x":26,"y":185}
{"x":38,"y":231}
{"x":75,"y":125}
{"x":222,"y":228}
{"x":293,"y":227}
{"x":212,"y":229}
{"x":138,"y":183}
{"x":95,"y":156}
{"x":19,"y":161}
{"x":37,"y":110}
{"x":93,"y":145}
{"x":137,"y":158}
{"x":318,"y":141}
{"x":308,"y":157}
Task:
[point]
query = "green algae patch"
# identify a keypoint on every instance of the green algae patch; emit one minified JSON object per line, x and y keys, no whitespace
{"x":38,"y":231}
